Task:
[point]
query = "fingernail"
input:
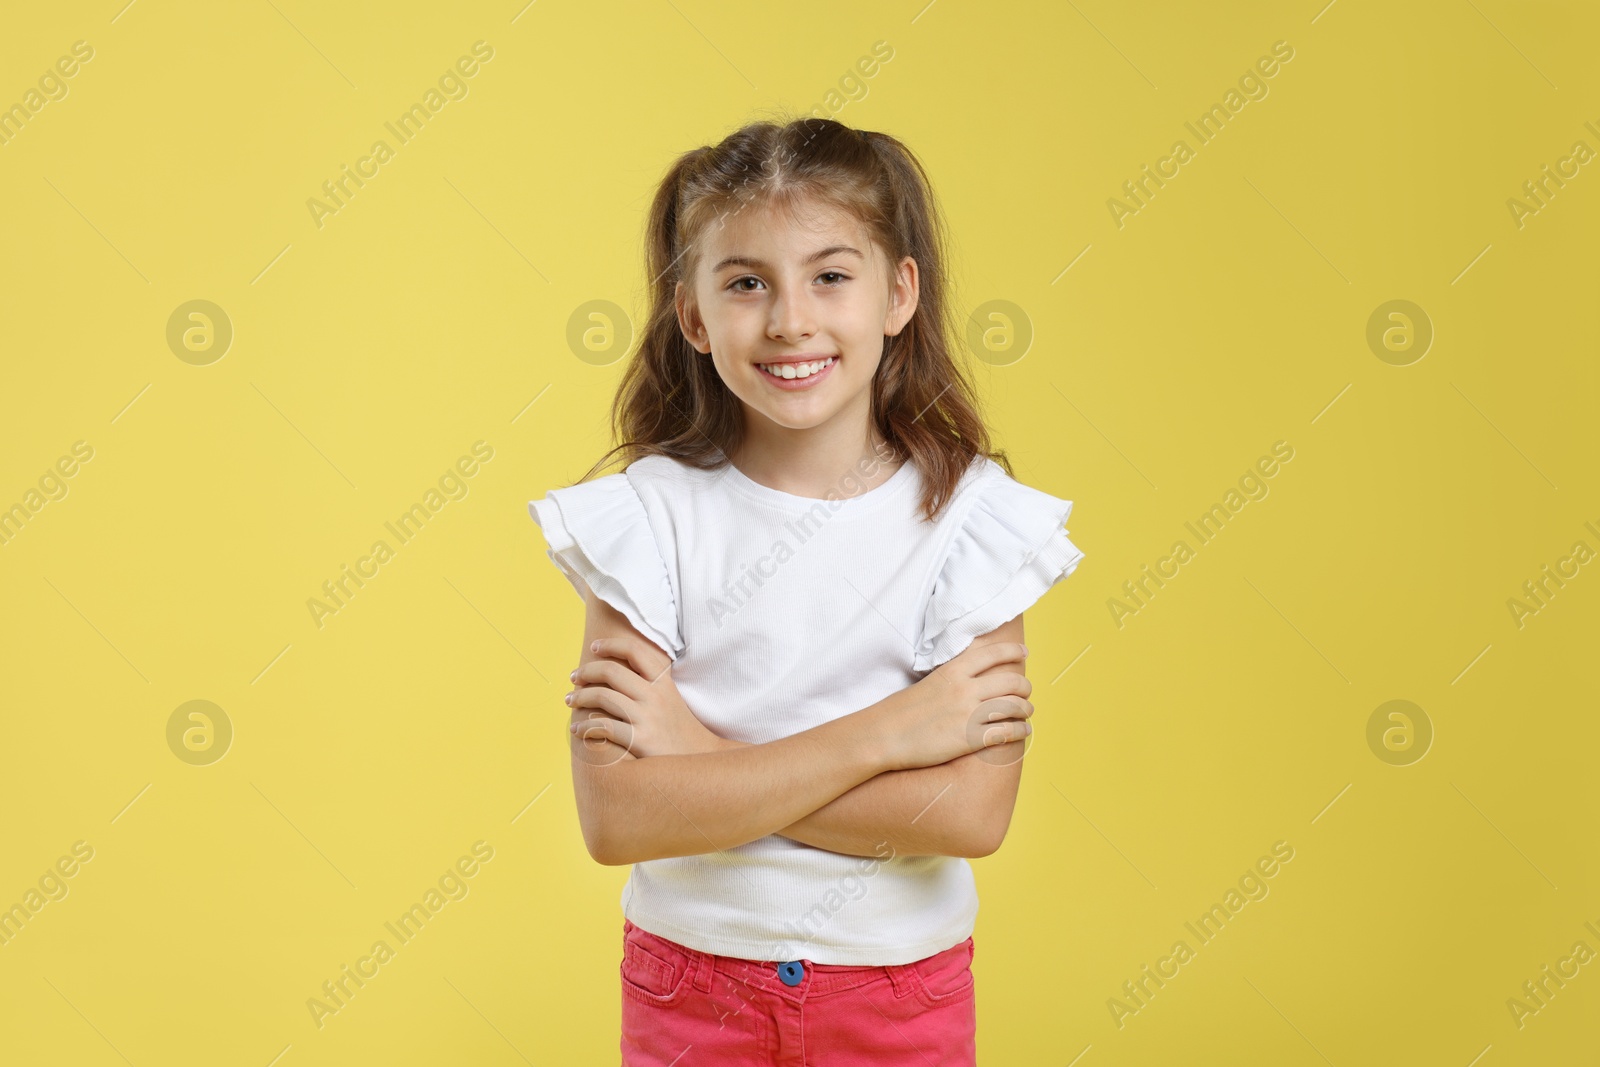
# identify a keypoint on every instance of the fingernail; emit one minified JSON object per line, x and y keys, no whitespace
{"x":595,"y":648}
{"x":572,"y":729}
{"x":568,"y":699}
{"x":1024,"y":650}
{"x":573,"y":676}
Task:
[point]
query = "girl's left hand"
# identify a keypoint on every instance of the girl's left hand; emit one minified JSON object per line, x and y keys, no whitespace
{"x":632,"y":700}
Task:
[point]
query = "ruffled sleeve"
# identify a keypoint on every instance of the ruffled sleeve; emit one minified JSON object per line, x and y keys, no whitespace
{"x":599,"y":531}
{"x":1011,"y":547}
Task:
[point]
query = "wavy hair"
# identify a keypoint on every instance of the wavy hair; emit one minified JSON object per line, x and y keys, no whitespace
{"x":672,"y":402}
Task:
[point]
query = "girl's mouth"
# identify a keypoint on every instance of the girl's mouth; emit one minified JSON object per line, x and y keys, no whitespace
{"x":805,"y":375}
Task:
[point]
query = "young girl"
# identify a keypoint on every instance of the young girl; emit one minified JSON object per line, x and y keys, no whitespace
{"x":801,"y":702}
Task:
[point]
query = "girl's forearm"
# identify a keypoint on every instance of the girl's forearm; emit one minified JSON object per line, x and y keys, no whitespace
{"x":959,"y":808}
{"x":916,"y":812}
{"x":685,"y":805}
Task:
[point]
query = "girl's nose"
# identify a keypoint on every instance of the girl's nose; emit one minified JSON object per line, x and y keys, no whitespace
{"x":793,"y":319}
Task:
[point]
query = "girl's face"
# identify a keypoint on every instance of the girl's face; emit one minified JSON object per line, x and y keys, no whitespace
{"x":774,"y":293}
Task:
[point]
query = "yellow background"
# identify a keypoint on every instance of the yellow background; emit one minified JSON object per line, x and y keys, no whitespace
{"x":368,"y":354}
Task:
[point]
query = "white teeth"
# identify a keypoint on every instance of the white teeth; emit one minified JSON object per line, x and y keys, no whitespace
{"x":796,"y":370}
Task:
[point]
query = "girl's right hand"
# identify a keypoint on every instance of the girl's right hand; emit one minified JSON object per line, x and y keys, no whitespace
{"x":953,"y":711}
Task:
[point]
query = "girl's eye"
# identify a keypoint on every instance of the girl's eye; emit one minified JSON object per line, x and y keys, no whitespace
{"x":737,"y":283}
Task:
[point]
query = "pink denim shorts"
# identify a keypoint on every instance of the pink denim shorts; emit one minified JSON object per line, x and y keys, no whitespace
{"x":686,"y":1008}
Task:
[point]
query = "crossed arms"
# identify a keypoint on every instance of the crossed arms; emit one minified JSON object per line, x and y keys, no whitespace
{"x":822,"y":787}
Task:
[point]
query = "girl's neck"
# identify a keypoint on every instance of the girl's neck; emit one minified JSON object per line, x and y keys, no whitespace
{"x":805,"y":464}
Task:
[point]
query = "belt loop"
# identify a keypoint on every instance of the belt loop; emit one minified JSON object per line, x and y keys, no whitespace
{"x":904,"y":978}
{"x":703,"y":965}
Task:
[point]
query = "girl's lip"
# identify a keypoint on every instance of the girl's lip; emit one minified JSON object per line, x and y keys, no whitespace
{"x":792,"y":384}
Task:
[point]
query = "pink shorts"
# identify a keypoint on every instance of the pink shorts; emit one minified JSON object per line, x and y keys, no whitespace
{"x":686,"y":1008}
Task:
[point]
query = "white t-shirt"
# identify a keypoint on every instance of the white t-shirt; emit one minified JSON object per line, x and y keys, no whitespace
{"x":780,"y":613}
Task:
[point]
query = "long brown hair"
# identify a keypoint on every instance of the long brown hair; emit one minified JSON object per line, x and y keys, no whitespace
{"x":671,"y":400}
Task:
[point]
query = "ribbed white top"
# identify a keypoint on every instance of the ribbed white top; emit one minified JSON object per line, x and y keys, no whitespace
{"x":783,"y":612}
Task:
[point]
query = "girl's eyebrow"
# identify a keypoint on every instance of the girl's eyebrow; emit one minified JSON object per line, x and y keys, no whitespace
{"x":756,"y":264}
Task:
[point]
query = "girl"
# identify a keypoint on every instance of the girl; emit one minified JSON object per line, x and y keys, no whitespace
{"x":801,"y":702}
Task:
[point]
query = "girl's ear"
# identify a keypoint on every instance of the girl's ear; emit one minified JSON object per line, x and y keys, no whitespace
{"x":694,"y":330}
{"x":903,"y":295}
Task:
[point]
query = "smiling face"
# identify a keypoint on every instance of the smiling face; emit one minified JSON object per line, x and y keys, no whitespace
{"x":810,"y":297}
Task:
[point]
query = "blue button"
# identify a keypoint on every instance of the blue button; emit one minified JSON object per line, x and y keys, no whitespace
{"x":792,"y":973}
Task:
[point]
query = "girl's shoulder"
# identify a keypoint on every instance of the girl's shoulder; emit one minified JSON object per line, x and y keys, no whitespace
{"x":997,"y":511}
{"x":1009,"y":546}
{"x":665,"y":470}
{"x":669,"y":488}
{"x":985,"y":488}
{"x":601,"y":536}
